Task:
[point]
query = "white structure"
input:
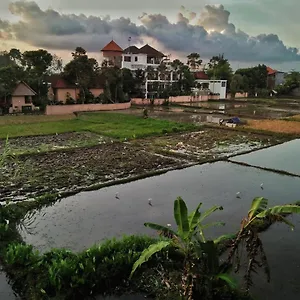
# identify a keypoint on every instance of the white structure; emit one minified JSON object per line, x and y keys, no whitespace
{"x":134,"y":58}
{"x":215,"y":86}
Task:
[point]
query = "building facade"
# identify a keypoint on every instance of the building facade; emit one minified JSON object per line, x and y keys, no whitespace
{"x":275,"y":78}
{"x":150,"y":61}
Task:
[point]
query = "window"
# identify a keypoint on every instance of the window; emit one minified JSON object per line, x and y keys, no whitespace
{"x":127,"y":58}
{"x":27,"y":99}
{"x":223,"y":83}
{"x":136,"y":58}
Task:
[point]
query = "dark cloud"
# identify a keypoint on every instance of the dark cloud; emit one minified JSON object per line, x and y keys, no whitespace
{"x":209,"y":33}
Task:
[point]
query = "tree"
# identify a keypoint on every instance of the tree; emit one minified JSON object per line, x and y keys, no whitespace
{"x":139,"y":76}
{"x":236,"y":85}
{"x":82,"y":70}
{"x":5,"y":59}
{"x":9,"y":77}
{"x":187,"y":80}
{"x":219,"y":68}
{"x":113,"y":90}
{"x":194,"y":60}
{"x":256,"y":77}
{"x":57,"y":64}
{"x":129,"y":83}
{"x":162,"y":71}
{"x":292,"y":81}
{"x":37,"y":63}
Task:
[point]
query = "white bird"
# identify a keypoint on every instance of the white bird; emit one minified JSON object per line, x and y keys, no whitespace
{"x":262,"y":186}
{"x":238,"y":195}
{"x":150,"y":202}
{"x":117,"y":196}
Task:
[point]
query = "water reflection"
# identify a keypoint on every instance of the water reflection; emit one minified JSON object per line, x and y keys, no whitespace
{"x":283,"y":157}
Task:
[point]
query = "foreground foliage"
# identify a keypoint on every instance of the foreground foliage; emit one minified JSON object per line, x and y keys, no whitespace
{"x":181,"y":263}
{"x":201,"y":270}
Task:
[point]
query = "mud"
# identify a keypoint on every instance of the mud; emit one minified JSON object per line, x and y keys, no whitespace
{"x":69,"y":170}
{"x":36,"y":144}
{"x":209,"y":144}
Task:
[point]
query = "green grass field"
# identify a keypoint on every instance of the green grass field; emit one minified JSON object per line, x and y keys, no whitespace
{"x":119,"y":126}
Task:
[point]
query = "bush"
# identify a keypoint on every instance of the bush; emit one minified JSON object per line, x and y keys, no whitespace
{"x":100,"y":269}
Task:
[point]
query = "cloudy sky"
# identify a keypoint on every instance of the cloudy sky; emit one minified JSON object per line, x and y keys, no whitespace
{"x":246,"y":31}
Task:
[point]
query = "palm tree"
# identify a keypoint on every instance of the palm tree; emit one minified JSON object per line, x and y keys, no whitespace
{"x":150,"y":73}
{"x":176,"y":66}
{"x":162,"y":71}
{"x":194,"y":60}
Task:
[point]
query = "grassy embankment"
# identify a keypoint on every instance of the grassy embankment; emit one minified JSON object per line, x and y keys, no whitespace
{"x":114,"y":125}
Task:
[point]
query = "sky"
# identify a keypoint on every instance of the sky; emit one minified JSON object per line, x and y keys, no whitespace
{"x":248,"y":32}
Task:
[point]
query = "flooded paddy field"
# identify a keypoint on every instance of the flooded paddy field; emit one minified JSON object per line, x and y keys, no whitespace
{"x":244,"y":109}
{"x":76,"y":168}
{"x":84,"y":160}
{"x":82,"y":220}
{"x":283,"y":158}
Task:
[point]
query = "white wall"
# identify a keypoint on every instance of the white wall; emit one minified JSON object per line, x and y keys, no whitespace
{"x":216,"y":86}
{"x":141,"y":62}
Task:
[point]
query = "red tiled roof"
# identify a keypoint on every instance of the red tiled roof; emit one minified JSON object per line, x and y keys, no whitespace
{"x":271,"y":71}
{"x":58,"y":82}
{"x":62,"y":84}
{"x":112,"y":46}
{"x":200,"y":75}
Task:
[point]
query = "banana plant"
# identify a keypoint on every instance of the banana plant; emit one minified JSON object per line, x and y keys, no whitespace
{"x":249,"y":234}
{"x":201,"y":264}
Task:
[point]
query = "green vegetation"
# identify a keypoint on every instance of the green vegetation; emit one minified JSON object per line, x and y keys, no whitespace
{"x":119,"y":126}
{"x":182,"y":262}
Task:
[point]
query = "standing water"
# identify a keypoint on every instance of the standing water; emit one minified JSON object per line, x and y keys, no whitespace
{"x":80,"y":221}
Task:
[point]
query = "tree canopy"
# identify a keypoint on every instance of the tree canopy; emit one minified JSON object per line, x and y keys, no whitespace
{"x":219,"y":68}
{"x":255,"y":77}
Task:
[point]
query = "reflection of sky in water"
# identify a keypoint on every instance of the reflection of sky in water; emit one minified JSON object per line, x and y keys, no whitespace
{"x":80,"y":221}
{"x":281,"y":157}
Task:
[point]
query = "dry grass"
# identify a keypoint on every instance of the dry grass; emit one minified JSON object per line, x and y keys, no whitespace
{"x":279,"y":126}
{"x":27,"y":119}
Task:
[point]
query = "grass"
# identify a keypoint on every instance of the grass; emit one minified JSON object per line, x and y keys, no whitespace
{"x":27,"y":119}
{"x":119,"y":126}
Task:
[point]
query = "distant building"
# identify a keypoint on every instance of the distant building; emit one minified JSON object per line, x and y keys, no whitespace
{"x":275,"y":78}
{"x":134,"y":58}
{"x":203,"y":83}
{"x":60,"y":90}
{"x":20,"y":99}
{"x":113,"y":53}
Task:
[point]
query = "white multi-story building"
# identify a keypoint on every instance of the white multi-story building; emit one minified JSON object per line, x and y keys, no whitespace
{"x":134,"y":58}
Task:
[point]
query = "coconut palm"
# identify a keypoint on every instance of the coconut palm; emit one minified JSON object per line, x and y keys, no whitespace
{"x":194,"y":60}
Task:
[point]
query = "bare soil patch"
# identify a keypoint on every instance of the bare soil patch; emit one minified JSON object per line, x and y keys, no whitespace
{"x":208,"y":144}
{"x":72,"y":169}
